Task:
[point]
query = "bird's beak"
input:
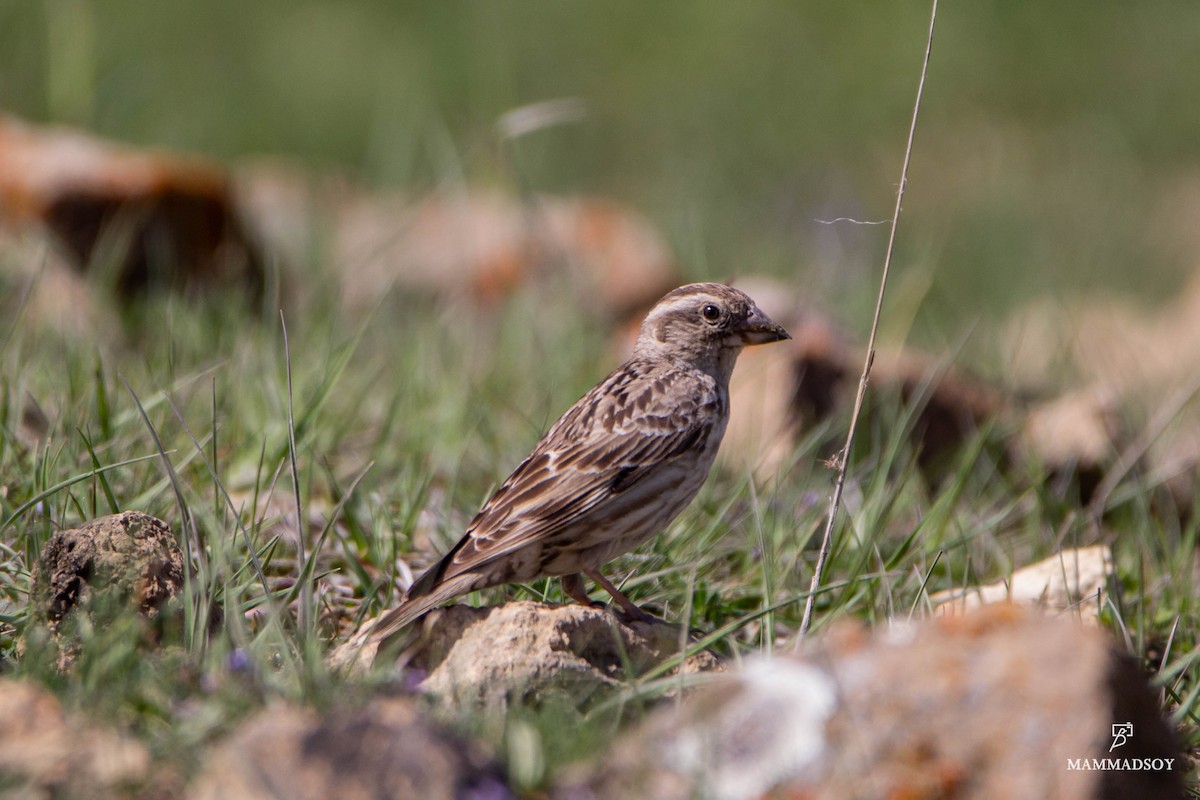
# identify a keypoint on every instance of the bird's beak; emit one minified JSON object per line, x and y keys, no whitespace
{"x":759,"y":329}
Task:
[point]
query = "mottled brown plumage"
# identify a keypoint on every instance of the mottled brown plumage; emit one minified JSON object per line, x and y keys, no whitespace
{"x":616,"y":468}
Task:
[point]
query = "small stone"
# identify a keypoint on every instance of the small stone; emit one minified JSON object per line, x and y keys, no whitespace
{"x":127,"y":558}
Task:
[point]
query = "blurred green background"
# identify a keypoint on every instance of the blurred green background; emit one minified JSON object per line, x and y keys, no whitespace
{"x":1059,"y":148}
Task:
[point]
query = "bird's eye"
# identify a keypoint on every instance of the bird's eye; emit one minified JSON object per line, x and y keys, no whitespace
{"x":711,"y":312}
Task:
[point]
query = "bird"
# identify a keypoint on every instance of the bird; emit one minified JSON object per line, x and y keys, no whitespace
{"x":615,"y":469}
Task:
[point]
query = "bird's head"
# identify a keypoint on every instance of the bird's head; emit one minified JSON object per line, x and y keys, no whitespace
{"x":705,"y":323}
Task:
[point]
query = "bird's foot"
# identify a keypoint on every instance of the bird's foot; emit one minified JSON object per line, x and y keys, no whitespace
{"x":630,"y":611}
{"x":636,"y":614}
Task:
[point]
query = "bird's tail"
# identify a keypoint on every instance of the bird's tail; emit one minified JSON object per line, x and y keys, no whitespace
{"x":421,"y":597}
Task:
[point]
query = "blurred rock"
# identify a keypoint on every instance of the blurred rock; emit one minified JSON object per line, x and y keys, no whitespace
{"x":824,"y":367}
{"x":780,"y":393}
{"x":156,"y":220}
{"x":1176,"y":461}
{"x":1108,"y":343}
{"x":287,"y":207}
{"x":522,"y":652}
{"x":387,"y":749}
{"x":1072,"y":582}
{"x":951,"y":406}
{"x":777,"y":393}
{"x":123,"y":559}
{"x":622,"y":261}
{"x":760,"y":436}
{"x":1074,"y":433}
{"x":460,"y":243}
{"x":43,"y":753}
{"x":759,"y":733}
{"x":1144,"y":363}
{"x":34,"y":425}
{"x":486,"y":244}
{"x":40,"y":285}
{"x":454,"y":244}
{"x":998,"y":703}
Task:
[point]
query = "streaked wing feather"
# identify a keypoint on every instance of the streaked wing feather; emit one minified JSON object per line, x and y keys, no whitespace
{"x":601,"y":447}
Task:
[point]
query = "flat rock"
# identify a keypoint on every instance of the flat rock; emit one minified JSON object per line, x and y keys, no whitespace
{"x":1071,"y":582}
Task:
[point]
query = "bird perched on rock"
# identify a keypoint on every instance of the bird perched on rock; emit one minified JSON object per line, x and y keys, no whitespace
{"x":616,"y":468}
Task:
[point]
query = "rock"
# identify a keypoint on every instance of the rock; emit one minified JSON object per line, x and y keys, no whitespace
{"x":1143,"y":363}
{"x":1176,"y":457}
{"x":952,"y":407}
{"x":1076,"y":433}
{"x":44,"y":753}
{"x":385,"y":750}
{"x":461,"y":242}
{"x":823,"y":368}
{"x":1071,"y":582}
{"x":761,"y":434}
{"x":1108,"y":343}
{"x":524,"y":652}
{"x":288,"y":208}
{"x":126,"y":558}
{"x":620,"y":259}
{"x":484,"y":245}
{"x":997,"y":703}
{"x":42,"y":288}
{"x":168,"y":220}
{"x":779,"y":394}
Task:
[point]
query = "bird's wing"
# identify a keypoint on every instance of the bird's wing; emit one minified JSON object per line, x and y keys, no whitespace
{"x":633,"y":422}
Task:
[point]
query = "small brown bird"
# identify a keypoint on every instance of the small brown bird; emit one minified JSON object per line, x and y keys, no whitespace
{"x":616,"y":468}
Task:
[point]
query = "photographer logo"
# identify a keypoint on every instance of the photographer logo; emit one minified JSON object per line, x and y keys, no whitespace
{"x":1122,"y":732}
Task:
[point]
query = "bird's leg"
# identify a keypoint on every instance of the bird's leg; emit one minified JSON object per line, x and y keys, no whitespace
{"x":572,"y":586}
{"x":631,"y":608}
